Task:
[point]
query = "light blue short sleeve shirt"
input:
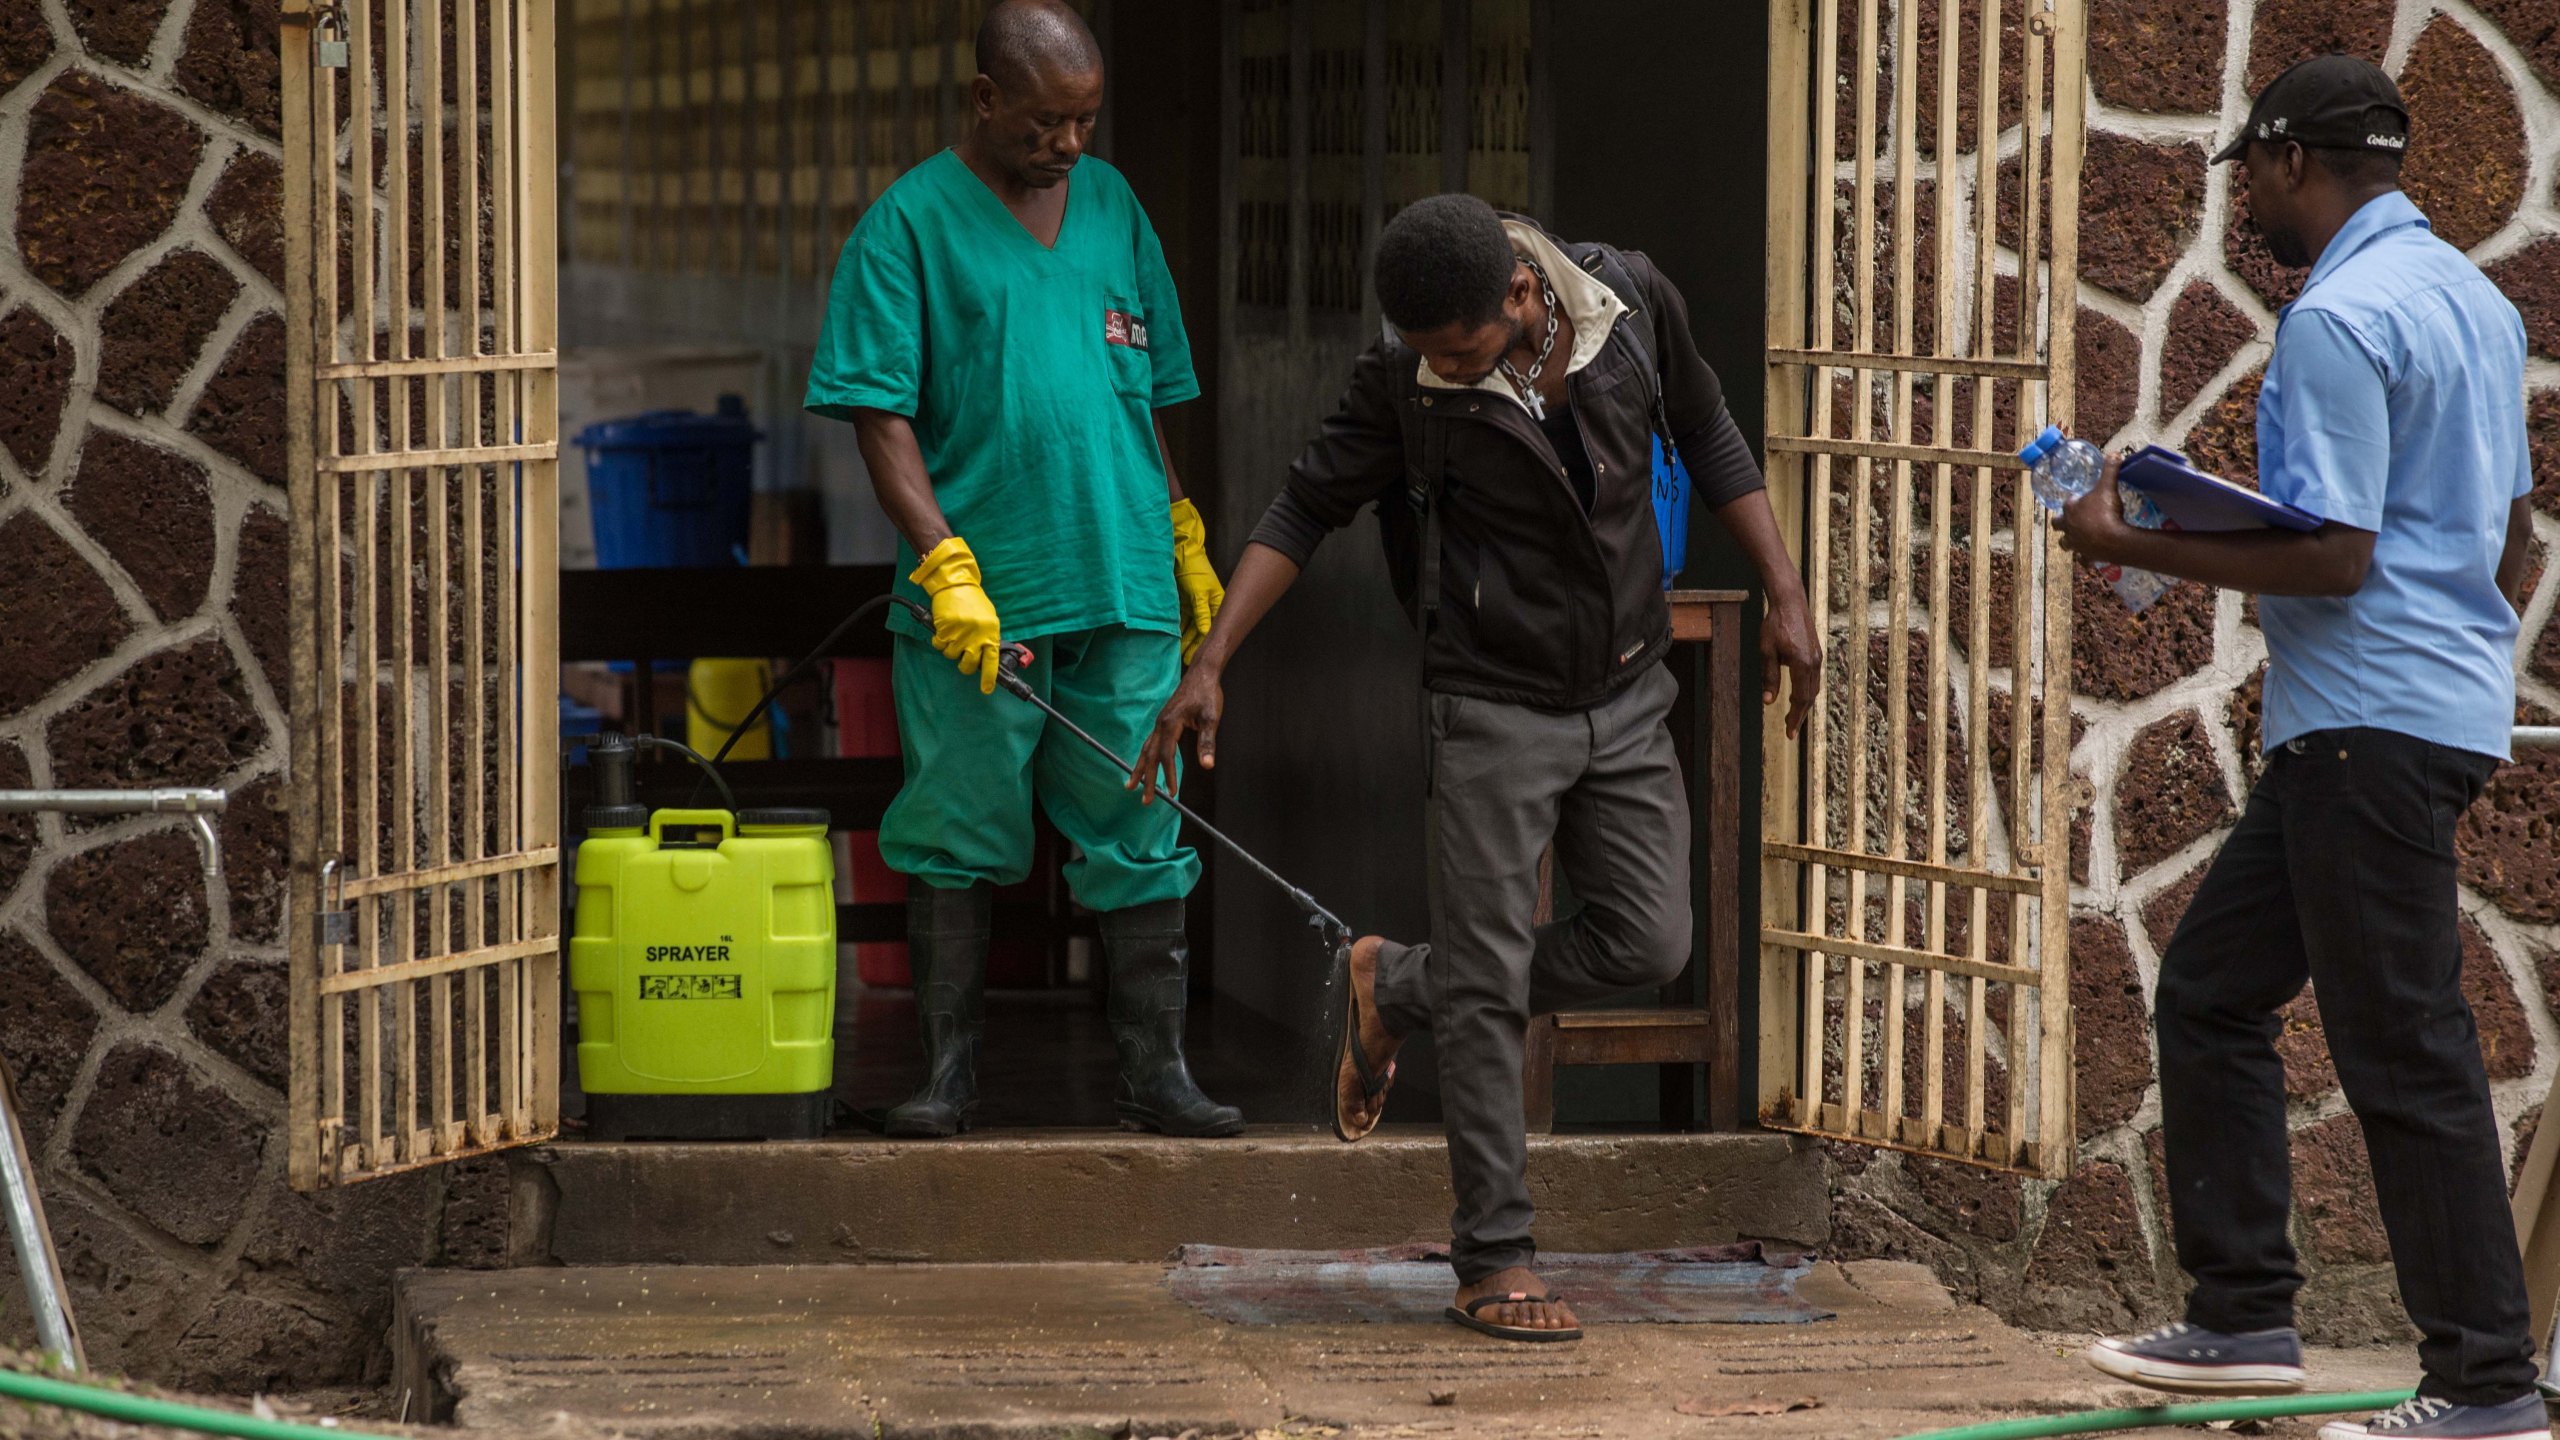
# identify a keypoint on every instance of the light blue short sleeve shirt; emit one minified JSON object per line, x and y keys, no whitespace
{"x":2395,"y":403}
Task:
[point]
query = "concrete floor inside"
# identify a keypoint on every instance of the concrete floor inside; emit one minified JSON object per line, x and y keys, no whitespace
{"x":1105,"y":1350}
{"x":1047,"y":1060}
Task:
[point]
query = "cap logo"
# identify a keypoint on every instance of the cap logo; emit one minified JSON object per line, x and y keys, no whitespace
{"x":2387,"y":142}
{"x":2279,"y":124}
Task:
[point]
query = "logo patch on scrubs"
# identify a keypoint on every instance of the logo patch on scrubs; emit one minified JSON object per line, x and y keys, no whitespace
{"x":1122,"y":328}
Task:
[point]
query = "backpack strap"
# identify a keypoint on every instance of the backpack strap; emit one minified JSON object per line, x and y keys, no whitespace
{"x":1423,"y":493}
{"x":1408,"y":510}
{"x":1608,"y":264}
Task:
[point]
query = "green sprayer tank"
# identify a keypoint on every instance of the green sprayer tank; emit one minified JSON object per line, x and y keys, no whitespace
{"x":703,"y":954}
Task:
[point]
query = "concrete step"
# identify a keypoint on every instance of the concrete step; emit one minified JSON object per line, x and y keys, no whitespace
{"x":1054,"y":1196}
{"x":1012,"y":1352}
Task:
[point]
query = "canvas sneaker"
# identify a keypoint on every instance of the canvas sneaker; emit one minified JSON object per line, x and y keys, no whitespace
{"x":2192,"y":1360}
{"x":2425,"y":1417}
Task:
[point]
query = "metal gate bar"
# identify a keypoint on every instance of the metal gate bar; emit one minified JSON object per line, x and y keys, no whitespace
{"x":424,"y":437}
{"x":1862,"y":890}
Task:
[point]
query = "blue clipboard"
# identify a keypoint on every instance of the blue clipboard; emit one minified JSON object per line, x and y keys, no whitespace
{"x":2194,"y":500}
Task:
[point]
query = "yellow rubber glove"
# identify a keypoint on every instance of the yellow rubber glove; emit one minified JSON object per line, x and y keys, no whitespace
{"x":964,"y":619}
{"x":1195,"y":578}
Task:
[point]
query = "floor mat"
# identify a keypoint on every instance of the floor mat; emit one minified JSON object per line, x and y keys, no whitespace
{"x":1725,"y":1284}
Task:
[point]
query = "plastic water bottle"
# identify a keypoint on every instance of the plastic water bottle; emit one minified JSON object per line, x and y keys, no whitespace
{"x":2063,"y":469}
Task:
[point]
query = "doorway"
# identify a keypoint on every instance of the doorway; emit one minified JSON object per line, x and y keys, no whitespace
{"x":720,"y":153}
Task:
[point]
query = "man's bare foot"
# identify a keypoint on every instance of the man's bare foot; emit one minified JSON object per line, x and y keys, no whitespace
{"x":1360,"y":1112}
{"x":1532,"y":1314}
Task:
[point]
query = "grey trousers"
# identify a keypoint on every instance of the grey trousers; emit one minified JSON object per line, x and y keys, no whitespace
{"x":1605,"y":787}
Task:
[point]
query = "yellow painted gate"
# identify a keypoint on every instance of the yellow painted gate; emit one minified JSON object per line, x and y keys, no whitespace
{"x":1923,"y":189}
{"x":423,"y":423}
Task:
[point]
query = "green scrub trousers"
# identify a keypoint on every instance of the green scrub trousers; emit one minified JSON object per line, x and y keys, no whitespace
{"x":974,"y":764}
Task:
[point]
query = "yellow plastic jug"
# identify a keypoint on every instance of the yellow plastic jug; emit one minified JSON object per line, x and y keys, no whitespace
{"x":717,"y":696}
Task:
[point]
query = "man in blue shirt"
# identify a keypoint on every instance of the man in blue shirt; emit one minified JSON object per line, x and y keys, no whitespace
{"x":2394,"y":410}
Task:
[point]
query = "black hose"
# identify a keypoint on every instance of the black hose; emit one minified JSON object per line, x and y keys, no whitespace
{"x":795,"y":672}
{"x":1335,"y":933}
{"x":728,"y":800}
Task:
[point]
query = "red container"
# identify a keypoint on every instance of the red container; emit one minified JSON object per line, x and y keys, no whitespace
{"x":867,"y":727}
{"x":866,"y":715}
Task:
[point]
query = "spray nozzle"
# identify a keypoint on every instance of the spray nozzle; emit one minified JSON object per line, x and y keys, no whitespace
{"x":1010,"y":660}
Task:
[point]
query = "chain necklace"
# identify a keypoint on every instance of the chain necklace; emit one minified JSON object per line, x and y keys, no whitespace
{"x":1527,"y":384}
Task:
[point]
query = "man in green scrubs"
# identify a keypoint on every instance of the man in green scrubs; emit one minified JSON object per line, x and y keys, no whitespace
{"x":1001,"y":331}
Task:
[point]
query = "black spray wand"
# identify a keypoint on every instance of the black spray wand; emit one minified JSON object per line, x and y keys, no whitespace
{"x":1009,"y":675}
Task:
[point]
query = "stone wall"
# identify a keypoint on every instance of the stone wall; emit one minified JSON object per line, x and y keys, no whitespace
{"x":142,"y":640}
{"x":2177,"y":319}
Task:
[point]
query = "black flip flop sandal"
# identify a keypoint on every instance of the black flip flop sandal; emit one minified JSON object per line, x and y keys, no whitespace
{"x":1468,"y":1317}
{"x":1373,"y":1083}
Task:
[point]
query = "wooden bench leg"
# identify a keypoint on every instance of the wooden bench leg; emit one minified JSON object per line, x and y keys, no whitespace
{"x":1720,"y":685}
{"x":1538,"y":1076}
{"x":1679,"y":1096}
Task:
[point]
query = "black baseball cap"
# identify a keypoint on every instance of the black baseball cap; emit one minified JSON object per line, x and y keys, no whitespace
{"x":2335,"y":102}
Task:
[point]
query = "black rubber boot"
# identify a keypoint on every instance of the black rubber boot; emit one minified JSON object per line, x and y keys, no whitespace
{"x":1150,"y":969}
{"x":947,"y":948}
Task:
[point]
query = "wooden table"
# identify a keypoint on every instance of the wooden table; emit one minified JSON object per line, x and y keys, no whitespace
{"x":1699,"y":1019}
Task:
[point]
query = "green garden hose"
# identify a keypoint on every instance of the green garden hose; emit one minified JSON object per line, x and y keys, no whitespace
{"x":2090,"y":1422}
{"x":142,"y":1410}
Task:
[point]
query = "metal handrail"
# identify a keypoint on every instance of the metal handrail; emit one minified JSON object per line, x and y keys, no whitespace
{"x":47,"y":1297}
{"x":196,"y":804}
{"x":2537,"y":737}
{"x":114,"y":802}
{"x":38,"y":1266}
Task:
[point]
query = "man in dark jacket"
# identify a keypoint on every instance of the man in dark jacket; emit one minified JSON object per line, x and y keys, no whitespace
{"x":1516,"y":395}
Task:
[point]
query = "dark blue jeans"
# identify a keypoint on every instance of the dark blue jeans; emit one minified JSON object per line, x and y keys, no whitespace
{"x":2342,"y":873}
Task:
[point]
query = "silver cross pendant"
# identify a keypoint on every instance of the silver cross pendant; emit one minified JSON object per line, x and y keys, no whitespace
{"x":1530,"y":399}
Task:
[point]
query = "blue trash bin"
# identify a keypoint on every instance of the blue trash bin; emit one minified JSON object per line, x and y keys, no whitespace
{"x":671,"y":487}
{"x":578,"y":718}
